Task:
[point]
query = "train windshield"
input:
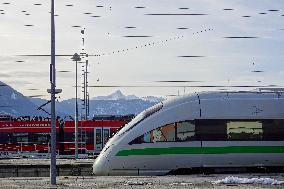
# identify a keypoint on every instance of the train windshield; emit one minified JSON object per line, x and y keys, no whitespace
{"x":146,"y":113}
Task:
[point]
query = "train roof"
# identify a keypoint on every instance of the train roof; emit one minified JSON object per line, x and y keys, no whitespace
{"x":223,"y":95}
{"x":238,"y":94}
{"x":228,"y":105}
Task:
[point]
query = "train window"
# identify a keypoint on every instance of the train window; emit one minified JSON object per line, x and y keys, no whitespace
{"x":174,"y":132}
{"x":4,"y":138}
{"x":98,"y":136}
{"x":211,"y":130}
{"x":244,"y":130}
{"x":39,"y":138}
{"x":163,"y":134}
{"x":90,"y":138}
{"x":106,"y":135}
{"x":185,"y":131}
{"x":157,"y":136}
{"x":68,"y":137}
{"x":43,"y":138}
{"x":112,"y":132}
{"x":20,"y":137}
{"x":138,"y":140}
{"x":146,"y":138}
{"x":82,"y":137}
{"x":273,"y":129}
{"x":11,"y":138}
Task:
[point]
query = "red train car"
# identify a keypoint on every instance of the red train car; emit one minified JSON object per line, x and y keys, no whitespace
{"x":92,"y":135}
{"x":34,"y":136}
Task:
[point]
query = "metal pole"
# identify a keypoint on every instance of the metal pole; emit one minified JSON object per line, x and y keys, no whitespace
{"x":86,"y":90}
{"x":88,"y":100}
{"x":76,"y":116}
{"x":52,"y":83}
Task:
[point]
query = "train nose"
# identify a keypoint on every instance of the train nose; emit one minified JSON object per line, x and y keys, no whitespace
{"x":101,"y":167}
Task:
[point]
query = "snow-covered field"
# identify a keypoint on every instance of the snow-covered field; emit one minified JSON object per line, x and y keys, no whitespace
{"x":184,"y":181}
{"x":245,"y":180}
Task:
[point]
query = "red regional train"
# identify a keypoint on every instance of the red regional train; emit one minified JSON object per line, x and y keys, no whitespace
{"x":33,"y":136}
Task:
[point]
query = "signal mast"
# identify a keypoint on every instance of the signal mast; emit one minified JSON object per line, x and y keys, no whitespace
{"x":84,"y":79}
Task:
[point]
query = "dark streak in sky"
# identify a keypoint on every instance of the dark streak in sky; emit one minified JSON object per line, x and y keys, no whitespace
{"x":29,"y":25}
{"x":130,"y":27}
{"x":6,"y":3}
{"x":76,"y":26}
{"x":87,"y":13}
{"x":33,"y":89}
{"x":137,"y":36}
{"x":191,"y":56}
{"x":174,"y":14}
{"x":262,"y":13}
{"x":139,"y":7}
{"x":47,"y":55}
{"x":69,"y":5}
{"x":228,"y":9}
{"x":184,"y":8}
{"x":177,"y":86}
{"x":64,"y":71}
{"x":273,"y":10}
{"x":182,"y":28}
{"x":179,"y":81}
{"x":246,"y":16}
{"x":243,"y":37}
{"x":37,"y":4}
{"x":257,"y":71}
{"x":32,"y":96}
{"x":19,"y":61}
{"x":94,"y":16}
{"x":100,"y":6}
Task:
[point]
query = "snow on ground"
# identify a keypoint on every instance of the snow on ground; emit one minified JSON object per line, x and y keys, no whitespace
{"x":237,"y":180}
{"x":141,"y":182}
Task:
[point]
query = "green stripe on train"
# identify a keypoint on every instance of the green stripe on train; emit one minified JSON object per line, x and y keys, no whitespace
{"x":203,"y":150}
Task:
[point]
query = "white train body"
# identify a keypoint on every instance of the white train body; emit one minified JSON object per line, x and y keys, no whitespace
{"x":213,"y":129}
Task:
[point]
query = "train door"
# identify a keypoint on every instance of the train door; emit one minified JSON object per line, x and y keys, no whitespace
{"x":101,"y":137}
{"x":212,"y":133}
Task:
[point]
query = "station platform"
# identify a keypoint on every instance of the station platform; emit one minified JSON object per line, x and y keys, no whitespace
{"x":40,"y":167}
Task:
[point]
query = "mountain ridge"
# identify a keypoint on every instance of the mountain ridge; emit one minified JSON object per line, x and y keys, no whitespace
{"x":114,"y":104}
{"x":16,"y":104}
{"x":118,"y":95}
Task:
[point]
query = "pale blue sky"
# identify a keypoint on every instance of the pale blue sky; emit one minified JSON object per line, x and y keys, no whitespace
{"x":224,"y":59}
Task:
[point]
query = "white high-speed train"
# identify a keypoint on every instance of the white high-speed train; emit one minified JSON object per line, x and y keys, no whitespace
{"x":210,"y":129}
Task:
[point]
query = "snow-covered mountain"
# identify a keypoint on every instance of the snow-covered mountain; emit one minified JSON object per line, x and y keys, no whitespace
{"x":15,"y":104}
{"x":117,"y":95}
{"x":114,"y":104}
